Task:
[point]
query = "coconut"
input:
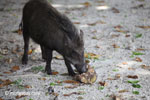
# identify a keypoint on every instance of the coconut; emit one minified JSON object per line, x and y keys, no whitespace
{"x":89,"y":77}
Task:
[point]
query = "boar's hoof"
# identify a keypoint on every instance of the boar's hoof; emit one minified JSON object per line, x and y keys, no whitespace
{"x":72,"y":74}
{"x":24,"y":60}
{"x":48,"y":71}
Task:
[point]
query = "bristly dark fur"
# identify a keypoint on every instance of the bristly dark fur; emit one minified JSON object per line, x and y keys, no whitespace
{"x":52,"y":31}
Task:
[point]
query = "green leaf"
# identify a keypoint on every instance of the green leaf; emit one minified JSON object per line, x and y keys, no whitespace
{"x":20,"y":86}
{"x":18,"y":81}
{"x":39,"y":68}
{"x":115,"y":70}
{"x":133,"y":82}
{"x":52,"y":84}
{"x":30,"y":99}
{"x":138,"y":35}
{"x":137,"y":53}
{"x":100,"y":87}
{"x":136,"y":85}
{"x":135,"y":92}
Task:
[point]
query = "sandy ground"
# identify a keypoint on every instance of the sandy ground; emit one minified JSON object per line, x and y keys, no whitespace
{"x":113,"y":29}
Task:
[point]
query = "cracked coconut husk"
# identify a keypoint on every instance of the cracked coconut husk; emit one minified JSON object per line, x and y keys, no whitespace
{"x":89,"y":77}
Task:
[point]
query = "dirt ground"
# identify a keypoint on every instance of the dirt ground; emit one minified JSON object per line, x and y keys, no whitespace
{"x":117,"y":45}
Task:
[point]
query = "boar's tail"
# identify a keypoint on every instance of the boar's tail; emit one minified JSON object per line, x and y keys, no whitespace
{"x":21,"y":26}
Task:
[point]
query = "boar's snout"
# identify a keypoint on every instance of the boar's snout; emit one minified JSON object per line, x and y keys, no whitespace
{"x":81,"y":68}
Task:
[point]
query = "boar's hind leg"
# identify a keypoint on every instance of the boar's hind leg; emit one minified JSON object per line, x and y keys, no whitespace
{"x":43,"y":52}
{"x":70,"y":70}
{"x":26,"y":47}
{"x":48,"y":61}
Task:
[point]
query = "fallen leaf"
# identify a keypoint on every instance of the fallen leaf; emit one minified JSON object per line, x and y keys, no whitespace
{"x":20,"y":96}
{"x":15,"y":68}
{"x":118,"y":27}
{"x":100,"y":1}
{"x":138,"y":6}
{"x":122,"y":91}
{"x":55,"y":73}
{"x":59,"y":82}
{"x":140,"y":49}
{"x":130,"y":68}
{"x":80,"y":98}
{"x":43,"y":79}
{"x":114,"y":35}
{"x":124,"y":63}
{"x":115,"y":10}
{"x":114,"y":97}
{"x":59,"y":57}
{"x":9,"y":60}
{"x":1,"y":99}
{"x":87,"y":4}
{"x":145,"y":67}
{"x":7,"y":72}
{"x":30,"y":52}
{"x":76,"y":22}
{"x":55,"y":94}
{"x":97,"y":46}
{"x":64,"y":74}
{"x":138,"y":59}
{"x":100,"y":87}
{"x":78,"y":93}
{"x":127,"y":35}
{"x":27,"y":86}
{"x":87,"y":61}
{"x":4,"y":51}
{"x":98,"y":22}
{"x":135,"y":92}
{"x":103,"y":83}
{"x":144,"y":27}
{"x":136,"y":85}
{"x":91,"y":56}
{"x":132,"y":76}
{"x":115,"y":46}
{"x":16,"y":50}
{"x":137,"y":53}
{"x":117,"y":76}
{"x":138,"y":35}
{"x":71,"y":87}
{"x":94,"y":37}
{"x":5,"y":83}
{"x":122,"y":31}
{"x":71,"y":81}
{"x":110,"y":78}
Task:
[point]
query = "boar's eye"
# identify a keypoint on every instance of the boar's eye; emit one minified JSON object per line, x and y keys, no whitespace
{"x":74,"y":52}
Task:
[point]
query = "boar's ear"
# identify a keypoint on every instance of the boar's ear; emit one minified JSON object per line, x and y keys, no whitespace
{"x":81,"y":36}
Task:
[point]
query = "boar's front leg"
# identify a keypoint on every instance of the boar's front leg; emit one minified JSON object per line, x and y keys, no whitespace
{"x":70,"y":70}
{"x":48,"y":53}
{"x":26,"y":46}
{"x":43,"y":52}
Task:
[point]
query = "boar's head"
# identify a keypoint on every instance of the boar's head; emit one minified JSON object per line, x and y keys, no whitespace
{"x":74,"y":52}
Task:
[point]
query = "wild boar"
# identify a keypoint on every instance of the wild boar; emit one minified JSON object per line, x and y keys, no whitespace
{"x":52,"y":31}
